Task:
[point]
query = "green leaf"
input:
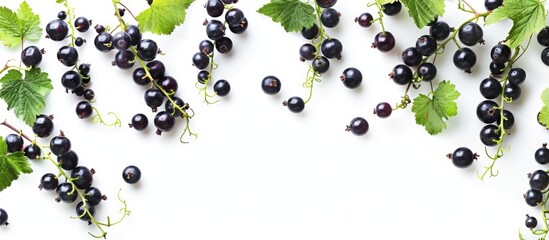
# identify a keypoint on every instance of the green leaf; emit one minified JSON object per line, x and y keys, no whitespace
{"x":14,"y":27}
{"x":26,"y":96}
{"x":163,"y":16}
{"x":543,"y":116}
{"x":432,"y":112}
{"x":11,"y":165}
{"x":528,"y":17}
{"x":382,"y":2}
{"x":293,"y":15}
{"x":424,"y":11}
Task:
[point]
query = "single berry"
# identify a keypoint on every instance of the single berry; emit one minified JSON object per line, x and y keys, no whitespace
{"x":516,"y":76}
{"x":497,"y":68}
{"x":500,"y":53}
{"x":392,"y":9}
{"x":215,"y":30}
{"x":539,"y":180}
{"x":156,"y":69}
{"x":271,"y":85}
{"x":31,"y":56}
{"x":465,"y":59}
{"x":488,"y":111}
{"x":124,"y":59}
{"x":62,"y":15}
{"x":82,"y":24}
{"x":512,"y":91}
{"x":89,"y":94}
{"x":470,"y":34}
{"x":169,"y":84}
{"x":234,"y":16}
{"x":364,"y":20}
{"x":533,"y":197}
{"x":383,"y":110}
{"x":307,"y":52}
{"x":489,"y":134}
{"x":60,"y":145}
{"x":139,"y":77}
{"x":330,"y":17}
{"x":85,"y":212}
{"x":384,"y":41}
{"x":215,"y":8}
{"x":121,"y":40}
{"x":67,"y":55}
{"x":164,"y":122}
{"x":68,"y":161}
{"x":57,"y":30}
{"x":545,"y":56}
{"x":49,"y":182}
{"x":84,"y":68}
{"x":83,"y":177}
{"x":426,"y":45}
{"x":71,"y":80}
{"x":295,"y":104}
{"x":490,"y":88}
{"x":351,"y":78}
{"x":131,"y":174}
{"x":201,"y":60}
{"x":411,"y":57}
{"x":203,"y":76}
{"x":135,"y":34}
{"x":401,"y":74}
{"x":530,"y":222}
{"x":358,"y":126}
{"x":171,"y":109}
{"x":93,"y":196}
{"x":509,"y":119}
{"x":66,"y":193}
{"x":103,"y":42}
{"x":43,"y":126}
{"x":32,"y":151}
{"x":139,"y":122}
{"x":440,"y":30}
{"x":14,"y":142}
{"x":326,"y":3}
{"x":224,"y":45}
{"x":154,"y":98}
{"x":206,"y":47}
{"x":310,"y":33}
{"x":542,"y":155}
{"x":84,"y":109}
{"x":543,"y":36}
{"x":321,"y":64}
{"x":331,"y":48}
{"x":147,"y":49}
{"x":492,"y":4}
{"x":3,"y":217}
{"x":463,"y":157}
{"x":427,"y":71}
{"x":222,"y":87}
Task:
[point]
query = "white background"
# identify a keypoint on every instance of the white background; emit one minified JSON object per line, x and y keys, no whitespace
{"x":258,"y":171}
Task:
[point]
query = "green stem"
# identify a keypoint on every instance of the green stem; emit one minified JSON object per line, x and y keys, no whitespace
{"x":203,"y":89}
{"x":70,"y":16}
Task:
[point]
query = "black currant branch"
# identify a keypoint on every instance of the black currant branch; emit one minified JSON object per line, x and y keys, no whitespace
{"x":186,"y":112}
{"x":204,"y":88}
{"x":79,"y":192}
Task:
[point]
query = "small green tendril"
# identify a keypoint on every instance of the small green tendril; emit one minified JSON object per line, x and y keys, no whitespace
{"x":97,"y":118}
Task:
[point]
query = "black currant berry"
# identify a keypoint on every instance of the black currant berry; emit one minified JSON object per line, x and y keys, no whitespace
{"x":154,"y":98}
{"x":89,"y":94}
{"x":330,"y":17}
{"x":465,"y":59}
{"x":516,"y":76}
{"x":201,"y":60}
{"x":156,"y":69}
{"x":364,"y":20}
{"x":135,"y":34}
{"x":539,"y":180}
{"x":62,"y":15}
{"x":295,"y":104}
{"x":84,"y":68}
{"x":68,"y":161}
{"x":121,"y":40}
{"x":326,"y":3}
{"x":383,"y":110}
{"x":103,"y":42}
{"x":222,"y":87}
{"x":43,"y":126}
{"x":139,"y":122}
{"x":411,"y":57}
{"x":124,"y":59}
{"x":500,"y":53}
{"x":543,"y":37}
{"x":489,"y":134}
{"x":488,"y":111}
{"x":512,"y":91}
{"x":31,"y":56}
{"x":82,"y":24}
{"x":490,"y":88}
{"x":509,"y":119}
{"x":307,"y":52}
{"x":530,"y":222}
{"x":331,"y":48}
{"x":71,"y":80}
{"x":470,"y":34}
{"x":310,"y":33}
{"x":14,"y":142}
{"x":60,"y":145}
{"x":427,"y":71}
{"x":93,"y":196}
{"x":139,"y":77}
{"x":147,"y":49}
{"x":234,"y":16}
{"x":131,"y":174}
{"x":84,"y":109}
{"x":215,"y":8}
{"x":171,"y":109}
{"x":533,"y":197}
{"x":83,"y":177}
{"x":545,"y":56}
{"x":426,"y":45}
{"x":57,"y":30}
{"x":48,"y":182}
{"x":384,"y":41}
{"x":321,"y":64}
{"x":203,"y":76}
{"x":164,"y":122}
{"x":169,"y":84}
{"x":271,"y":85}
{"x":492,"y":4}
{"x":497,"y":68}
{"x":32,"y":152}
{"x":351,"y":78}
{"x":542,"y":154}
{"x":401,"y":74}
{"x":240,"y":28}
{"x":215,"y":29}
{"x":358,"y":126}
{"x":3,"y":217}
{"x":67,"y":55}
{"x":463,"y":157}
{"x":85,"y":212}
{"x":392,"y":9}
{"x":439,"y":30}
{"x":224,"y":45}
{"x":66,"y":192}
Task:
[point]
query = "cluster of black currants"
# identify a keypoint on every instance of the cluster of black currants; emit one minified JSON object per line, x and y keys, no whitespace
{"x":488,"y":111}
{"x":470,"y":34}
{"x":330,"y":48}
{"x":76,"y":80}
{"x":384,"y":41}
{"x":543,"y":40}
{"x":536,"y":195}
{"x":217,"y":40}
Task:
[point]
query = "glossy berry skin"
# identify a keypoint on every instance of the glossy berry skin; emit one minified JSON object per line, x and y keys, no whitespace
{"x":48,"y":182}
{"x":383,"y":110}
{"x":68,"y":161}
{"x":310,"y":33}
{"x":3,"y":217}
{"x":512,"y":91}
{"x":215,"y":8}
{"x":295,"y":104}
{"x":465,"y":59}
{"x":206,"y":47}
{"x":234,"y":16}
{"x":124,"y":59}
{"x":533,"y":197}
{"x":32,"y":152}
{"x":31,"y":56}
{"x":83,"y":177}
{"x":60,"y":145}
{"x":43,"y":126}
{"x":79,"y":41}
{"x":490,"y":88}
{"x":321,"y":64}
{"x":203,"y":76}
{"x":171,"y":109}
{"x":500,"y":53}
{"x":427,"y":71}
{"x":57,"y":30}
{"x":67,"y":55}
{"x":271,"y":85}
{"x":121,"y":41}
{"x":168,"y":84}
{"x":384,"y":41}
{"x":103,"y":42}
{"x":509,"y":119}
{"x":439,"y":30}
{"x":463,"y":157}
{"x":470,"y":34}
{"x":84,"y":109}
{"x":139,"y":122}
{"x":131,"y":174}
{"x":330,"y":17}
{"x":545,"y":56}
{"x":331,"y":48}
{"x":164,"y":122}
{"x":426,"y":45}
{"x":82,"y":24}
{"x":542,"y":155}
{"x":411,"y":57}
{"x":240,"y":28}
{"x":99,"y":28}
{"x":516,"y":76}
{"x":62,"y":15}
{"x":401,"y":74}
{"x":364,"y":20}
{"x":147,"y":49}
{"x":392,"y":9}
{"x":307,"y":52}
{"x":351,"y":78}
{"x":539,"y":180}
{"x":14,"y":142}
{"x":66,"y":192}
{"x":215,"y":30}
{"x":492,"y":4}
{"x":154,"y":98}
{"x":201,"y":60}
{"x":489,"y":134}
{"x":84,"y":212}
{"x":358,"y":126}
{"x":487,"y":111}
{"x":224,"y":45}
{"x":139,"y":78}
{"x":93,"y":196}
{"x":84,"y":68}
{"x":543,"y":37}
{"x":71,"y":80}
{"x":89,"y":94}
{"x":222,"y":87}
{"x":531,"y":222}
{"x":134,"y":33}
{"x":156,"y":69}
{"x":497,"y":68}
{"x":326,"y":3}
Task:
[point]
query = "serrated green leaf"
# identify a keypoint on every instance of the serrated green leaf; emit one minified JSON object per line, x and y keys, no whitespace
{"x":424,"y":11}
{"x":528,"y":17}
{"x":293,"y":15}
{"x":432,"y":112}
{"x":11,"y":165}
{"x":14,"y":27}
{"x":382,"y":2}
{"x":163,"y":16}
{"x":543,"y":116}
{"x":26,"y":96}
